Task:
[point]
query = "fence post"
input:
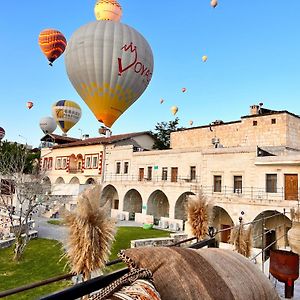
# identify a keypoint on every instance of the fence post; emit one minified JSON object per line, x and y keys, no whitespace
{"x":263,"y":243}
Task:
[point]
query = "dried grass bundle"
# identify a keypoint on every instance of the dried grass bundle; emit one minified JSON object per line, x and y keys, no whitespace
{"x":91,"y":233}
{"x":241,"y":238}
{"x":199,"y":212}
{"x":295,"y":215}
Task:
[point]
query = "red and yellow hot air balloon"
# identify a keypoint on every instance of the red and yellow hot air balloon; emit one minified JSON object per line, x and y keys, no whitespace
{"x":29,"y":104}
{"x":53,"y":44}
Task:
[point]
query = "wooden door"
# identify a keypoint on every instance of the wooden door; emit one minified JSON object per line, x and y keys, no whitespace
{"x":225,"y":235}
{"x":174,"y":173}
{"x":291,"y":186}
{"x":141,"y":174}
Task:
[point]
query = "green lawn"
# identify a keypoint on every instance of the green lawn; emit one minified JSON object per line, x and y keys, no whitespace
{"x":55,"y":222}
{"x":41,"y":261}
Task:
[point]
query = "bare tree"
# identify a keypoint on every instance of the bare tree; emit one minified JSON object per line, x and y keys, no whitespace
{"x":22,"y":191}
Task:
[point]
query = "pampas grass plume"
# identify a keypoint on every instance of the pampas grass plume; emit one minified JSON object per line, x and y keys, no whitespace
{"x":91,"y":233}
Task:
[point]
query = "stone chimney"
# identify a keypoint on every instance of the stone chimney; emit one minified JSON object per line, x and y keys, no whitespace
{"x":254,"y":109}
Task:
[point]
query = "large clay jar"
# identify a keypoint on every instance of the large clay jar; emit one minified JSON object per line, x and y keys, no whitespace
{"x":294,"y":237}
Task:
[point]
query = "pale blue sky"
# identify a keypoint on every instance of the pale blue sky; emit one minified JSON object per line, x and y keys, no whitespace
{"x":253,"y":50}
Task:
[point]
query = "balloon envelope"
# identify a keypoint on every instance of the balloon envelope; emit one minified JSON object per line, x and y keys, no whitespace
{"x":66,"y":113}
{"x":108,"y":10}
{"x":162,"y":101}
{"x":204,"y":58}
{"x":2,"y":133}
{"x":52,"y":43}
{"x":214,"y":3}
{"x":174,"y":110}
{"x":110,"y":65}
{"x":183,"y":90}
{"x":48,"y":125}
{"x":29,"y":104}
{"x":191,"y":122}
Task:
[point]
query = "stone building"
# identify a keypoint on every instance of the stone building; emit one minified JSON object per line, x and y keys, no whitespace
{"x":248,"y":168}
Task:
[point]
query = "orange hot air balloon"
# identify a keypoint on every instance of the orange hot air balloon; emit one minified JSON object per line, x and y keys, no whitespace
{"x":52,"y":43}
{"x":29,"y":104}
{"x":162,"y":101}
{"x":183,"y":90}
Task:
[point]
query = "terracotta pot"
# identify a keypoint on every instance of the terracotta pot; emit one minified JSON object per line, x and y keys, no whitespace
{"x":294,"y":237}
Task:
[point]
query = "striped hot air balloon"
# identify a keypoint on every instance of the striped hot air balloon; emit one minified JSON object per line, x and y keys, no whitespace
{"x":66,"y":114}
{"x":2,"y":133}
{"x":109,"y":10}
{"x":52,"y":43}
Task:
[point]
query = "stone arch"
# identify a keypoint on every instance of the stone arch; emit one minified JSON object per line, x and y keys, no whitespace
{"x":74,"y":180}
{"x":276,"y":225}
{"x":46,"y":181}
{"x":158,"y":205}
{"x":180,"y":206}
{"x":133,"y":203}
{"x":110,"y":195}
{"x":90,"y":181}
{"x":59,"y":180}
{"x":221,"y":220}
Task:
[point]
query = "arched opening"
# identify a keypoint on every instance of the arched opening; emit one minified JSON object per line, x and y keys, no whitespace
{"x":133,"y":203}
{"x":180,"y":206}
{"x":222,"y":221}
{"x":90,"y":181}
{"x":109,"y":195}
{"x":74,"y":180}
{"x":46,"y":181}
{"x":59,"y":180}
{"x":158,"y":206}
{"x":72,"y":164}
{"x":275,"y":226}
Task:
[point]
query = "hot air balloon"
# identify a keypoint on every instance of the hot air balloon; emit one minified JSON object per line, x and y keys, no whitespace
{"x":66,"y":113}
{"x":2,"y":133}
{"x":108,"y":10}
{"x":174,"y":110}
{"x":204,"y":58}
{"x":214,"y":3}
{"x":52,"y":43}
{"x":191,"y":122}
{"x":162,"y":101}
{"x":110,"y":65}
{"x":29,"y":104}
{"x":48,"y":125}
{"x":183,"y":90}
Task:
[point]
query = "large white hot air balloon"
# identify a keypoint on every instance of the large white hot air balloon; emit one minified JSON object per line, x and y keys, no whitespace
{"x":110,"y":65}
{"x":48,"y":125}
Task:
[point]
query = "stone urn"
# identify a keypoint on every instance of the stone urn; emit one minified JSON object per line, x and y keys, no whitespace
{"x":294,"y":237}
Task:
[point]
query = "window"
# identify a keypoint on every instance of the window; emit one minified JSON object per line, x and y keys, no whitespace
{"x":193,"y":173}
{"x":118,"y":167}
{"x":237,"y":184}
{"x":141,"y":174}
{"x":174,"y":174}
{"x":64,"y":163}
{"x":164,"y":174}
{"x":79,"y":165}
{"x":254,"y":123}
{"x":88,"y":162}
{"x":126,"y":167}
{"x":7,"y":187}
{"x":95,"y":162}
{"x":50,"y":163}
{"x":273,"y":121}
{"x":217,"y":183}
{"x":149,"y":174}
{"x":271,"y":183}
{"x":58,"y":163}
{"x":45,"y":163}
{"x":116,"y":204}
